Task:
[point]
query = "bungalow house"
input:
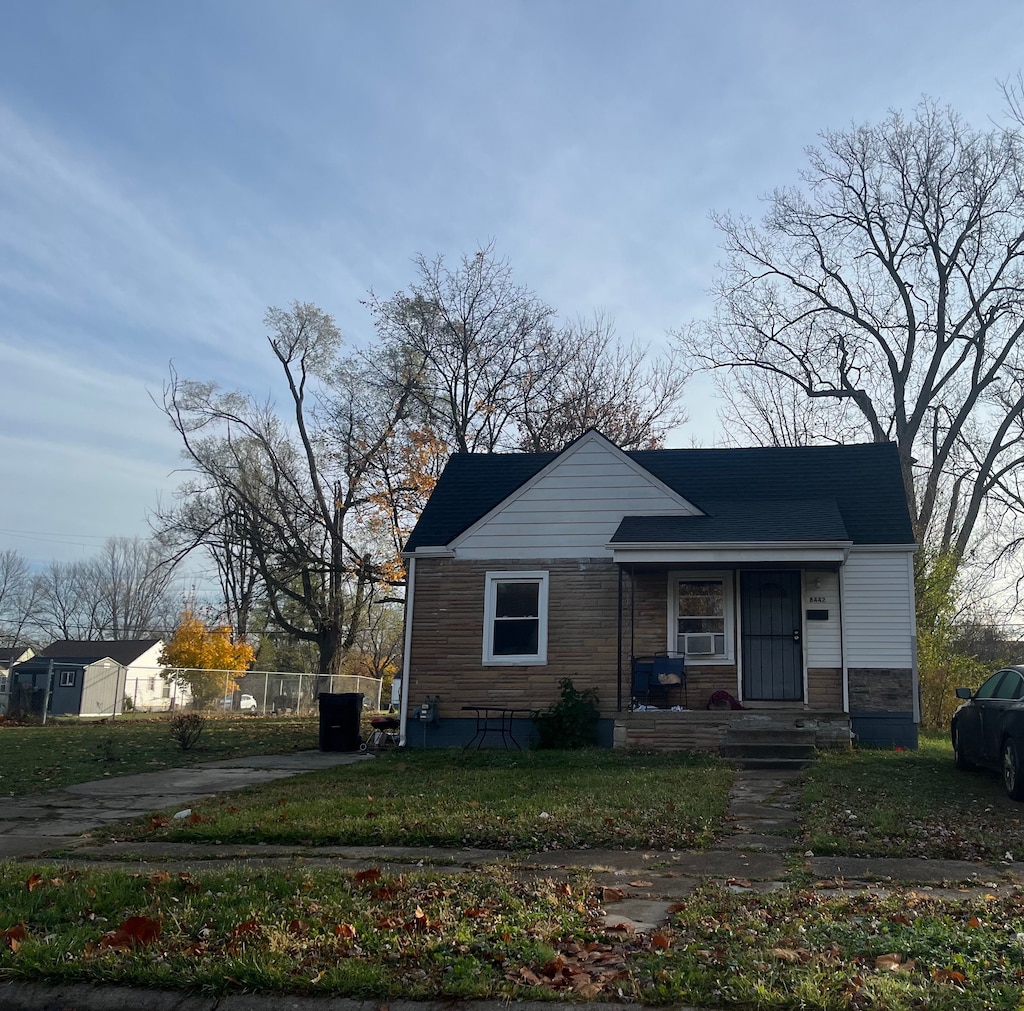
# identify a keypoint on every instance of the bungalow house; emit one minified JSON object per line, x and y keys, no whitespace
{"x":83,"y":677}
{"x":780,"y":577}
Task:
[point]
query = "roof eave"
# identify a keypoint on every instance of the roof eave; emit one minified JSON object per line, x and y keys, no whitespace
{"x":734,"y":551}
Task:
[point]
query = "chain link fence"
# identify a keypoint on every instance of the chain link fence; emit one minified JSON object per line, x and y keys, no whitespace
{"x":63,"y":688}
{"x":257,"y":692}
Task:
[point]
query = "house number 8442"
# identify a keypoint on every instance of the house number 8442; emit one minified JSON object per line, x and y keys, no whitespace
{"x":817,"y":600}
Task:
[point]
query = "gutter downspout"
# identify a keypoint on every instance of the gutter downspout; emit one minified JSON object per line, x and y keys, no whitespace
{"x":842,"y":638}
{"x":410,"y":592}
{"x":915,"y":683}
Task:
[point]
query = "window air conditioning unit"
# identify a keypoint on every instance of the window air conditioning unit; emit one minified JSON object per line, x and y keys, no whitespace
{"x":699,"y":644}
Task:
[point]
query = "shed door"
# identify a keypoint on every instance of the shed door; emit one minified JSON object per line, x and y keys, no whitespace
{"x":770,"y":639}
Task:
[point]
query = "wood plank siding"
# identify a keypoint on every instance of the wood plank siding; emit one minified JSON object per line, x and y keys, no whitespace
{"x":572,"y":510}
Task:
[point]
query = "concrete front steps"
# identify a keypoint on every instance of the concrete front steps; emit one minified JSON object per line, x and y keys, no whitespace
{"x":769,"y":747}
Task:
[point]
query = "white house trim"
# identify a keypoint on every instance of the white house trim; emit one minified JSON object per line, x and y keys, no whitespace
{"x":718,"y":552}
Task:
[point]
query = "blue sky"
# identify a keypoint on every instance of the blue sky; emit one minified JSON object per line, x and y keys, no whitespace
{"x":168,"y":170}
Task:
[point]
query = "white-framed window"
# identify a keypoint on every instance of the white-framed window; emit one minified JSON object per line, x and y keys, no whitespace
{"x":701,"y":616}
{"x":3,"y":684}
{"x":67,"y":678}
{"x":516,"y":618}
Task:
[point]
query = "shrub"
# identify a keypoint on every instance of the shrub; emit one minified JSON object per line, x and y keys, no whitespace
{"x":186,"y":728}
{"x":571,"y":722}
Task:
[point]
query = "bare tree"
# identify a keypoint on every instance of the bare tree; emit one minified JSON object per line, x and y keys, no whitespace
{"x":588,"y":379}
{"x":17,"y":596}
{"x":211,"y":520}
{"x":762,"y":408}
{"x":129,"y":583}
{"x":892,"y":285}
{"x":496,"y":371}
{"x":473,"y":334}
{"x":122,"y":593}
{"x":294,"y":488}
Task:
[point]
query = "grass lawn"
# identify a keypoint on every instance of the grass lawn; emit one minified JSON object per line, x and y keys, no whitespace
{"x":492,"y":799}
{"x":492,"y":935}
{"x":909,"y":804}
{"x":34,"y":759}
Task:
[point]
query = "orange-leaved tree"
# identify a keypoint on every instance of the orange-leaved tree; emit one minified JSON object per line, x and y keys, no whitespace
{"x":204,"y":659}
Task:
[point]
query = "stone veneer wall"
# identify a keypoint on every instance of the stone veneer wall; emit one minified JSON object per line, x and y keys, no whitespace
{"x":881,"y":689}
{"x":448,"y":629}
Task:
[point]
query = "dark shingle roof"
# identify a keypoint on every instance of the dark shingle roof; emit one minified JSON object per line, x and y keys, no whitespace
{"x":864,"y":481}
{"x":123,"y":651}
{"x":775,"y":520}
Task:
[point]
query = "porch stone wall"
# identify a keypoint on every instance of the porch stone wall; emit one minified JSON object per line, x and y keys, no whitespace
{"x":706,"y":730}
{"x":881,"y":689}
{"x":446,"y":658}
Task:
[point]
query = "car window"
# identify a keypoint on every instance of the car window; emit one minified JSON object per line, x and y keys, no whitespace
{"x":1010,"y":686}
{"x":991,"y":686}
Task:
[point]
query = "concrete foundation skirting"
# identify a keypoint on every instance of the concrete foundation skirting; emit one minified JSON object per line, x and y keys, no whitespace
{"x":704,"y":730}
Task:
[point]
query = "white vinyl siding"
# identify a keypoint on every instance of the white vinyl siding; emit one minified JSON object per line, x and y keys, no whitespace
{"x":879,"y":609}
{"x":572,"y":510}
{"x":823,"y":646}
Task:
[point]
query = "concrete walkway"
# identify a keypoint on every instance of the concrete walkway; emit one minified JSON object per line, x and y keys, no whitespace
{"x":57,"y":819}
{"x":758,"y":852}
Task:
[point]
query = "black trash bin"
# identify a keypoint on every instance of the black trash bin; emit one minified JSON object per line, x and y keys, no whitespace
{"x":339,"y":721}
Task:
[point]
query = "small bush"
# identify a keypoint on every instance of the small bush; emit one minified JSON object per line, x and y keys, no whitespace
{"x":186,"y":728}
{"x":571,"y":722}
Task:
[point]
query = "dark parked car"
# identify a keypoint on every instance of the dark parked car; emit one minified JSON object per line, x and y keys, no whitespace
{"x":988,"y":729}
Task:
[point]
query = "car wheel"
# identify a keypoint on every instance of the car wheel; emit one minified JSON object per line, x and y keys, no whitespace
{"x":1013,"y":775}
{"x":960,"y":759}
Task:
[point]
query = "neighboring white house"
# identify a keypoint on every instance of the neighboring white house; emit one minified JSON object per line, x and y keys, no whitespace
{"x":9,"y":656}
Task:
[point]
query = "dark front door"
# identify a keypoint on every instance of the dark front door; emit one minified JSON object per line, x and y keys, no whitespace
{"x":770,"y":636}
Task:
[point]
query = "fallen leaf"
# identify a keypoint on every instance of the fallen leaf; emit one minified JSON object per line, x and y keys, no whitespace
{"x":641,"y":884}
{"x":785,"y":954}
{"x":135,"y":932}
{"x":894,"y":963}
{"x":344,"y":930}
{"x":738,"y":882}
{"x":948,"y":976}
{"x":34,"y":882}
{"x":660,"y":941}
{"x":610,"y":894}
{"x":624,"y":928}
{"x":15,"y":935}
{"x":247,"y":929}
{"x":974,"y":922}
{"x":369,"y":875}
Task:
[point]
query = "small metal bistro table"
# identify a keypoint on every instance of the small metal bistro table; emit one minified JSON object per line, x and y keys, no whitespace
{"x":496,"y":720}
